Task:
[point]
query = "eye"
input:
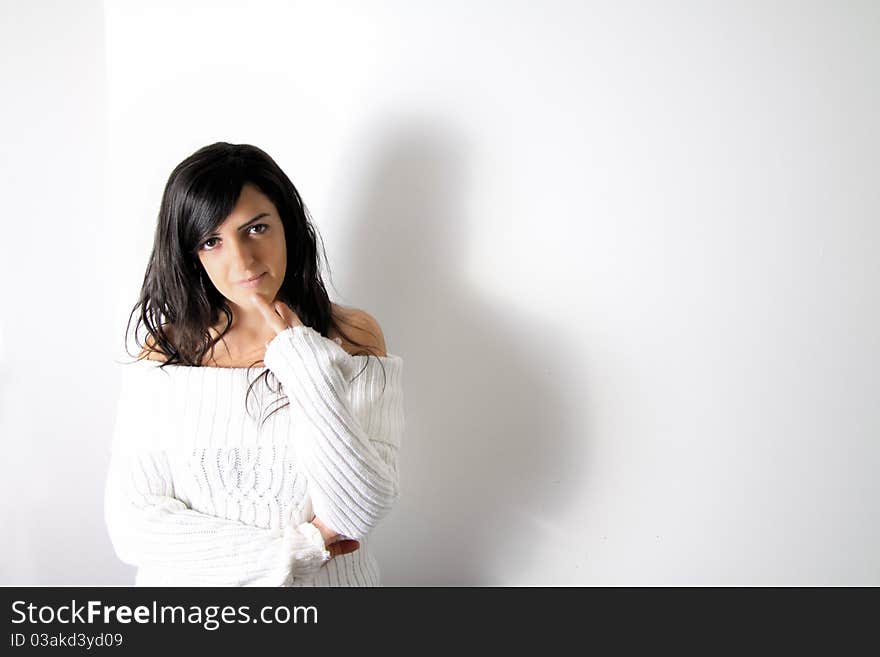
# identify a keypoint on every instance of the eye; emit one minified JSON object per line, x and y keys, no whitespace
{"x":205,"y":245}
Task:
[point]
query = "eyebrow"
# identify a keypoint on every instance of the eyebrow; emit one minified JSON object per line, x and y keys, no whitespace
{"x":248,"y":223}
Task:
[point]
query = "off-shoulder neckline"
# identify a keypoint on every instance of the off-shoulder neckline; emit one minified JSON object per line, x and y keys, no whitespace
{"x":390,"y":358}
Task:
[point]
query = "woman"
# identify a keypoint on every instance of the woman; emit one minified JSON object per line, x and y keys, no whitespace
{"x":200,"y":490}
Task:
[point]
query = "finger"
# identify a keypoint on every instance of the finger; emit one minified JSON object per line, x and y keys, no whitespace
{"x":259,"y":302}
{"x":281,"y":309}
{"x":287,"y":314}
{"x":269,"y":313}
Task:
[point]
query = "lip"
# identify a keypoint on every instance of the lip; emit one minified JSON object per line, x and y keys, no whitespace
{"x":253,"y":282}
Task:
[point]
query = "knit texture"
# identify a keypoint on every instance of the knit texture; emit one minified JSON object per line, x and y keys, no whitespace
{"x":199,"y":494}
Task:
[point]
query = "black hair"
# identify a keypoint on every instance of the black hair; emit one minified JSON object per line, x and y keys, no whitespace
{"x":178,"y":302}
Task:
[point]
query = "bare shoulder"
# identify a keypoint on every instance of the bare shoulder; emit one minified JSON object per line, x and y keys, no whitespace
{"x":362,"y":327}
{"x":152,"y":351}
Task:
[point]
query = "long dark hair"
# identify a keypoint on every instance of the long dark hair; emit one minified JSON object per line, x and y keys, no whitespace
{"x":178,"y":303}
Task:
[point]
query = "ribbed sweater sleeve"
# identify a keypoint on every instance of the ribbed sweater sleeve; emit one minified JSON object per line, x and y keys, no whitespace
{"x":149,"y":527}
{"x":353,"y":480}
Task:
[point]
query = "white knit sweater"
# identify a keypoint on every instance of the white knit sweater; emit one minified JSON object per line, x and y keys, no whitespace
{"x":198,"y":494}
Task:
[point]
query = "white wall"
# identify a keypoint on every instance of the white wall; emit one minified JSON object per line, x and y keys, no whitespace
{"x":627,"y":251}
{"x":56,"y":394}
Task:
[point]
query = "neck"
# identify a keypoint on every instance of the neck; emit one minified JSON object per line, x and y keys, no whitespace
{"x":249,"y":328}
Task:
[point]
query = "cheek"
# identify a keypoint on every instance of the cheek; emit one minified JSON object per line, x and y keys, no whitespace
{"x":210,"y":271}
{"x":278,"y":253}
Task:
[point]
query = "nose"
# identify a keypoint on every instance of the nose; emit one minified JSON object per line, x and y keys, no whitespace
{"x":241,"y":260}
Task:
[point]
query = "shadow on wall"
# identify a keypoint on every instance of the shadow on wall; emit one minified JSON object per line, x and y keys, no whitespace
{"x":484,"y":467}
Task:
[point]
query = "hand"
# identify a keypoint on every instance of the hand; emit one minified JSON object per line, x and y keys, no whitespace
{"x":278,"y":314}
{"x":333,"y":541}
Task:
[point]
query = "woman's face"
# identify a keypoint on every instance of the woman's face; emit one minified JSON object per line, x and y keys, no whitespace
{"x":249,"y":242}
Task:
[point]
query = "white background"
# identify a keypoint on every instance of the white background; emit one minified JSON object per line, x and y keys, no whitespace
{"x":627,"y":250}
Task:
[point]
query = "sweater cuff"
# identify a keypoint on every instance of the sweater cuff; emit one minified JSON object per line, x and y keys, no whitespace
{"x":304,"y":336}
{"x":303,"y":549}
